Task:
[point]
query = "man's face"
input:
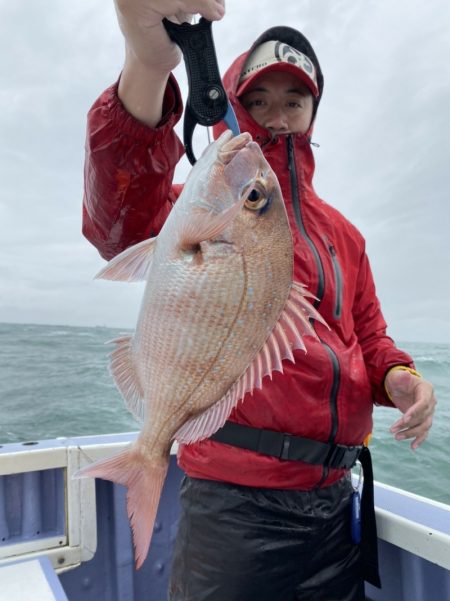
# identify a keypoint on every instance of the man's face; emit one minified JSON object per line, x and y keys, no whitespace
{"x":280,"y":102}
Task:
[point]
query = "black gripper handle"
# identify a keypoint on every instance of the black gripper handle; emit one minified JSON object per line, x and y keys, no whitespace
{"x":207,"y":101}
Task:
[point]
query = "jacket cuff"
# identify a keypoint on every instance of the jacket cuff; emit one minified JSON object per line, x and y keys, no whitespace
{"x":128,"y":125}
{"x":399,"y":368}
{"x":381,"y":395}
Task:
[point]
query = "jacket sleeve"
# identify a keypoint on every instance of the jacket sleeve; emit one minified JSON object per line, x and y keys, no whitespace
{"x":379,"y":350}
{"x":128,"y":172}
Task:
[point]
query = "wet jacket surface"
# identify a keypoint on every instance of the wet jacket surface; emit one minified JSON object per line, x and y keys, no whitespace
{"x":328,"y":394}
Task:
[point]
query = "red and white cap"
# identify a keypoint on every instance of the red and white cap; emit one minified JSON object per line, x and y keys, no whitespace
{"x":278,"y":56}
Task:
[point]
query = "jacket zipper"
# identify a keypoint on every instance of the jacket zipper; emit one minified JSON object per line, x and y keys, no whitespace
{"x":333,"y":403}
{"x":338,"y":281}
{"x":334,"y":392}
{"x":298,"y":218}
{"x":319,"y":294}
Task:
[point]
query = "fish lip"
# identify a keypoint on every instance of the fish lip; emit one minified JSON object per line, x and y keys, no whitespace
{"x":225,"y":157}
{"x":238,"y":142}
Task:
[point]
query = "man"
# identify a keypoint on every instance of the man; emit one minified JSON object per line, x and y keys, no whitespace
{"x":257,"y":523}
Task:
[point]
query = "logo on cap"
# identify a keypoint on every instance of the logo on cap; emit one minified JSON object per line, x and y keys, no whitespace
{"x":287,"y":54}
{"x":276,"y":55}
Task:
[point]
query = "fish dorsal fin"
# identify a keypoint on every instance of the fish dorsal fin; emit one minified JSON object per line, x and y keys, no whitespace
{"x":126,"y":378}
{"x":131,"y":265}
{"x":294,"y":322}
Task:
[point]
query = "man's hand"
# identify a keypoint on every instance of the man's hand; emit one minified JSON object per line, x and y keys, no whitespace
{"x":415,"y":398}
{"x":141,"y":24}
{"x":150,"y":54}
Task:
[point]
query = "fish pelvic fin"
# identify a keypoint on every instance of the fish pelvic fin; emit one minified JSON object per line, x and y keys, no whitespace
{"x":208,"y":422}
{"x":287,"y":335}
{"x":127,"y":381}
{"x":131,"y":265}
{"x":144,"y":483}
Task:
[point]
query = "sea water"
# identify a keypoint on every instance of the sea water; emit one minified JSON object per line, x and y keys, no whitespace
{"x":54,"y":381}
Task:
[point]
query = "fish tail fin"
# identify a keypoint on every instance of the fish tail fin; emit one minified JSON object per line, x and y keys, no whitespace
{"x":144,"y":482}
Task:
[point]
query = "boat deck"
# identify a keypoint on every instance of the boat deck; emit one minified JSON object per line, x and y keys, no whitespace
{"x":82,"y":529}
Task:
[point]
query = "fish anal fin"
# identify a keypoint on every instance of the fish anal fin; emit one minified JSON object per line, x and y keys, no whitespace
{"x":123,"y":371}
{"x":131,"y":265}
{"x":299,"y":296}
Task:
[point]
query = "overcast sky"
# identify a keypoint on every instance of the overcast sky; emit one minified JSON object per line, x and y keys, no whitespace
{"x":383,"y":160}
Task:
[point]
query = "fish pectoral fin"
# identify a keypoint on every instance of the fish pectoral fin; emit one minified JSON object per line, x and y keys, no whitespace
{"x":202,"y":224}
{"x":126,"y":378}
{"x":144,"y":482}
{"x":132,"y":265}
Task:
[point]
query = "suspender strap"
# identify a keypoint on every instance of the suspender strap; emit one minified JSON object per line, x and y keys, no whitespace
{"x":369,"y":539}
{"x":288,"y":447}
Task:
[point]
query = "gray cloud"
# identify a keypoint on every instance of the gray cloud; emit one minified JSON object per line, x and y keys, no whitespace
{"x":382,"y":160}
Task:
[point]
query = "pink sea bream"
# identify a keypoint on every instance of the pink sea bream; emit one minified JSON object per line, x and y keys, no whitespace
{"x":220,"y":312}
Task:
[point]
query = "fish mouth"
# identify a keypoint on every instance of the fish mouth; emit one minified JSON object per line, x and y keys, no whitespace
{"x":244,"y":168}
{"x":232,"y":147}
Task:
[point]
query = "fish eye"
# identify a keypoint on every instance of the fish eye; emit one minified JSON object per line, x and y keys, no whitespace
{"x":255,"y":200}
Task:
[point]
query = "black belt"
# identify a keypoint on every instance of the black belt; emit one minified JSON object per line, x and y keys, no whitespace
{"x":287,"y":446}
{"x":296,"y":448}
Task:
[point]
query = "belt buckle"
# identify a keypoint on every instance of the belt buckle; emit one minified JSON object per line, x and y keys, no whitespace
{"x":286,"y":443}
{"x":343,"y":457}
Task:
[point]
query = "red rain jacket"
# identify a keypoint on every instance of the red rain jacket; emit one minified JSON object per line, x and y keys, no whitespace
{"x":328,"y":394}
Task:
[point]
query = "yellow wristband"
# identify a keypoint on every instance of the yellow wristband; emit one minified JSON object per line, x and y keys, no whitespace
{"x":400,"y":368}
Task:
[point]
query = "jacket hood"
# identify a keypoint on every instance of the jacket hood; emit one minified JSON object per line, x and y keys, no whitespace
{"x":231,"y":78}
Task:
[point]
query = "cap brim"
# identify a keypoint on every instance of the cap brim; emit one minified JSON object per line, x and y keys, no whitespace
{"x":279,"y":67}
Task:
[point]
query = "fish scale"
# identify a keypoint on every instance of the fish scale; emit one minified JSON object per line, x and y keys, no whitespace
{"x":206,"y":328}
